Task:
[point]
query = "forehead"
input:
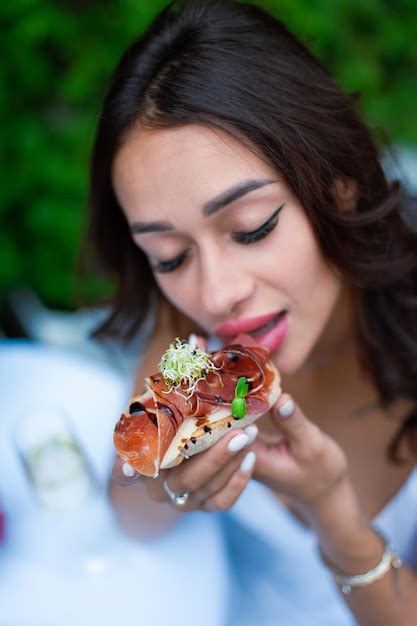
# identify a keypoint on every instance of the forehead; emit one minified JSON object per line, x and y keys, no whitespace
{"x":161,"y":169}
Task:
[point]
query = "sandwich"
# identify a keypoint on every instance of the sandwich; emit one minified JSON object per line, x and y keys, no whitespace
{"x":193,"y":400}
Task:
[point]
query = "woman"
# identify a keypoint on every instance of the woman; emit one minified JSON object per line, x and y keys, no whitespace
{"x":234,"y":185}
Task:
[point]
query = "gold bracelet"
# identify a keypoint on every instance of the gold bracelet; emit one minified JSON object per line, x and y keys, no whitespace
{"x":389,"y":559}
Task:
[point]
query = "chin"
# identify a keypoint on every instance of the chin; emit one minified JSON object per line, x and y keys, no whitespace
{"x":289,"y":361}
{"x":286,"y":367}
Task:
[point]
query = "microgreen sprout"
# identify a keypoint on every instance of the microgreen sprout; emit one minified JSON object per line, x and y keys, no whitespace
{"x":242,"y":387}
{"x":183,"y":364}
{"x":238,"y":405}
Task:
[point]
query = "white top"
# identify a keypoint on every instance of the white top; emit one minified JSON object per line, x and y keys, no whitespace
{"x":276,"y":575}
{"x":76,"y":567}
{"x":254,"y":564}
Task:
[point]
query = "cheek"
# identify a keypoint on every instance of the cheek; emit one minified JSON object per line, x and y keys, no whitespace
{"x":310,"y":290}
{"x":180,"y":293}
{"x":299,"y":268}
{"x":313,"y":284}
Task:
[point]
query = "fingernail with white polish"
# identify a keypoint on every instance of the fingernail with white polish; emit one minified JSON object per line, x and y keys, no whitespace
{"x":248,"y":462}
{"x":128,"y":470}
{"x":192,"y":340}
{"x":251,"y":431}
{"x":238,"y":442}
{"x":287,"y":408}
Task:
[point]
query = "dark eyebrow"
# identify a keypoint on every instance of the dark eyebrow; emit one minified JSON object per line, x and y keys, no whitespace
{"x":209,"y":208}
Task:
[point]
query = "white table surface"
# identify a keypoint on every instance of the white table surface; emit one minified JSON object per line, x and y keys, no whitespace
{"x":78,"y":568}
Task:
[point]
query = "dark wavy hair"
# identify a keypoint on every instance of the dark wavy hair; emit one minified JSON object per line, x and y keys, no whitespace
{"x":232,"y":66}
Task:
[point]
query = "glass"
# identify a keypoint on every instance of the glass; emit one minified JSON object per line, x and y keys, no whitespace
{"x":54,"y":460}
{"x":2,"y":519}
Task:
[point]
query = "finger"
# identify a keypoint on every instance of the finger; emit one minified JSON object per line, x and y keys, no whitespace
{"x":123,"y":473}
{"x":302,"y":441}
{"x":198,"y":341}
{"x":202,"y":342}
{"x":198,"y":471}
{"x":229,"y":494}
{"x":216,"y":484}
{"x":274,"y":461}
{"x":212,"y":486}
{"x":288,"y":417}
{"x":220,"y":480}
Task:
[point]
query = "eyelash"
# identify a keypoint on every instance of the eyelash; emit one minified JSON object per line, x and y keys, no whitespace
{"x":164,"y":267}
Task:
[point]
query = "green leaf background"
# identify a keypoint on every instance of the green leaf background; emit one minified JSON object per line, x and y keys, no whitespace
{"x":57,"y":58}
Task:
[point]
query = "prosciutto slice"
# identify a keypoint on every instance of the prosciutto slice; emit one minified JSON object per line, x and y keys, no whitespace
{"x":145,"y":432}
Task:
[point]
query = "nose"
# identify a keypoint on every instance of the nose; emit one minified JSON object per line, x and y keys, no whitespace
{"x":223,"y":286}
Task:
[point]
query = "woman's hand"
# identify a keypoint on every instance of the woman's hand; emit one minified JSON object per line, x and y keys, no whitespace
{"x":306,"y":464}
{"x":215,"y":478}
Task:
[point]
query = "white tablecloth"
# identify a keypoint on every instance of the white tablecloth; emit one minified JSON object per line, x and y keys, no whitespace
{"x":78,"y":568}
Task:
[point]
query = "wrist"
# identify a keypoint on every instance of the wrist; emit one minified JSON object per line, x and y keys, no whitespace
{"x":361,"y":550}
{"x":344,"y":532}
{"x":388,"y":560}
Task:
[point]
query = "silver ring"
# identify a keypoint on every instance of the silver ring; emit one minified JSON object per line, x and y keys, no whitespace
{"x":179,"y":499}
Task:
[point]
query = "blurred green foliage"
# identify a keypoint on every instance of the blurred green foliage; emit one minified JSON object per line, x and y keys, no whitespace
{"x":57,"y":56}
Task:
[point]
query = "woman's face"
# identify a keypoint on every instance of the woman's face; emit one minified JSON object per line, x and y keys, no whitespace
{"x":170,"y":184}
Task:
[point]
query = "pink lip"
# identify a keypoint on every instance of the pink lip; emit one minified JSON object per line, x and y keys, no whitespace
{"x":243,"y":324}
{"x":274,"y":337}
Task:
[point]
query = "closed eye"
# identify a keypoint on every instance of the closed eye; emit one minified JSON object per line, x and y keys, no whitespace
{"x":259,"y":233}
{"x":163,"y":267}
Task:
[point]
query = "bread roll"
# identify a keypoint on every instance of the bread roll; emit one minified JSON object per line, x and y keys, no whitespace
{"x":167,"y":422}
